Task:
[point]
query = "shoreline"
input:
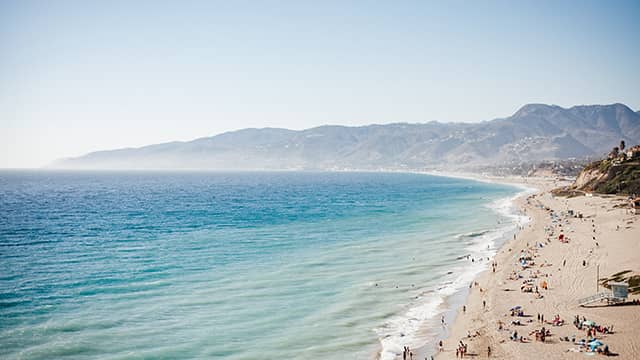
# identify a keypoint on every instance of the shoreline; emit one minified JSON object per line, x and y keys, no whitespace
{"x":452,"y":310}
{"x":431,"y":329}
{"x":482,"y":321}
{"x":455,"y":301}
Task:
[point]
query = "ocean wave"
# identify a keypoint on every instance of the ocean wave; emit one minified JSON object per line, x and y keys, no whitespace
{"x":405,"y":329}
{"x":472,"y":234}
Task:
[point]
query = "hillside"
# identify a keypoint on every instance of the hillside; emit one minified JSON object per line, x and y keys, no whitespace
{"x":535,"y":132}
{"x":606,"y":178}
{"x":613,"y":175}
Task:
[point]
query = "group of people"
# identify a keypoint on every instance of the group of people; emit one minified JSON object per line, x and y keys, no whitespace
{"x":461,"y":350}
{"x":557,"y":321}
{"x":592,"y":328}
{"x":407,"y":354}
{"x":541,"y":334}
{"x":515,"y":337}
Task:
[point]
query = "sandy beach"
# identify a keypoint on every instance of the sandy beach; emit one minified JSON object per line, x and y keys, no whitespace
{"x":605,"y":239}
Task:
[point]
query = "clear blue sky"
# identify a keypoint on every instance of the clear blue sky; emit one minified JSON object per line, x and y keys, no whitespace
{"x":79,"y":76}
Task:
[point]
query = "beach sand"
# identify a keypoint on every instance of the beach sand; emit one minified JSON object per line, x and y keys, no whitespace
{"x":617,"y":233}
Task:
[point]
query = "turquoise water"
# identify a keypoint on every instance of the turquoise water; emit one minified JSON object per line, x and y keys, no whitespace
{"x":116,"y":265}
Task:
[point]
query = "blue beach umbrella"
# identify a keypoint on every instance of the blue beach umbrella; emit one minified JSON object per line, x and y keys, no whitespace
{"x":594,"y":344}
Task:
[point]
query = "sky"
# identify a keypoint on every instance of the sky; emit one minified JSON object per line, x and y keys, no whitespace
{"x":81,"y":76}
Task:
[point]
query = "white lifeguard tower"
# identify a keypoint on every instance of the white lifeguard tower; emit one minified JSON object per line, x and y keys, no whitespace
{"x":620,"y":290}
{"x":618,"y":293}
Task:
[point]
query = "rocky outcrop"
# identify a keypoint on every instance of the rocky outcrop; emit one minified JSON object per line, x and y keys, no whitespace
{"x":588,"y":178}
{"x":609,"y":176}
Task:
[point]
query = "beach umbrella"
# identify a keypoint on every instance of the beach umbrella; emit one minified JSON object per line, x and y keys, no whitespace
{"x":596,"y":343}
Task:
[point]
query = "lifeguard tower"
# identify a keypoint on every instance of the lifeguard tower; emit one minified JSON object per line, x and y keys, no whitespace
{"x":620,"y":290}
{"x":618,"y":293}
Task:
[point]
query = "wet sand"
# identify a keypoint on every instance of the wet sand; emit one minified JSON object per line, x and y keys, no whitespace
{"x":617,"y":236}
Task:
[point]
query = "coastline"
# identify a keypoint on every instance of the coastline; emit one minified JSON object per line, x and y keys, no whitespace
{"x":451,"y":305}
{"x":481,"y":322}
{"x":456,"y":295}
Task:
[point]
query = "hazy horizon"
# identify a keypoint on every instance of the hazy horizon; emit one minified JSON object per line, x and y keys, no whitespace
{"x":47,"y":166}
{"x":79,"y":77}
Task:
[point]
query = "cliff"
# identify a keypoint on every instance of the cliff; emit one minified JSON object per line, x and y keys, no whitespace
{"x":610,"y":176}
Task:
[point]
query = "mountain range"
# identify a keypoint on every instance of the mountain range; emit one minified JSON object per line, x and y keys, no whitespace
{"x":535,"y":132}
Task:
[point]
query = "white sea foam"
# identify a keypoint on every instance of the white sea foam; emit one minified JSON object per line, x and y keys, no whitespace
{"x":405,"y":329}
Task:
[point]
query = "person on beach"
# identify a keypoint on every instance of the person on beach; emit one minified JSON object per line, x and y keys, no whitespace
{"x":440,"y":346}
{"x":488,"y":351}
{"x":462,"y":349}
{"x":464,"y":309}
{"x":442,"y":320}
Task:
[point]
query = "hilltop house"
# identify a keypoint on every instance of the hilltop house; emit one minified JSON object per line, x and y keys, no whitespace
{"x":635,"y":205}
{"x":633,"y":152}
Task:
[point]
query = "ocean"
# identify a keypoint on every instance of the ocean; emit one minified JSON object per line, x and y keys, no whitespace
{"x":246,"y":265}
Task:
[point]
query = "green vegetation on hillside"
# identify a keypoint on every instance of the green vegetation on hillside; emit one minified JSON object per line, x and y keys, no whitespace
{"x":619,"y":173}
{"x":620,"y":179}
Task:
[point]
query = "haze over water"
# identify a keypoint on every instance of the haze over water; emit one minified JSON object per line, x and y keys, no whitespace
{"x":235,"y":265}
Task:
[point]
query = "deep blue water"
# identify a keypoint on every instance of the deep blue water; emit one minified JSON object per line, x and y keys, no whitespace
{"x":230,"y":265}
